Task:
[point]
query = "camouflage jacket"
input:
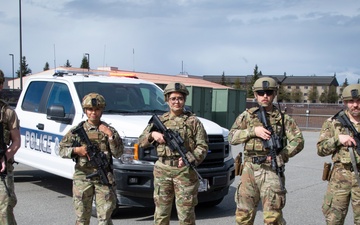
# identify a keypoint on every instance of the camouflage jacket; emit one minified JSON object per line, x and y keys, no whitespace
{"x":190,"y":129}
{"x":110,"y":148}
{"x":329,"y":144}
{"x":243,"y":132}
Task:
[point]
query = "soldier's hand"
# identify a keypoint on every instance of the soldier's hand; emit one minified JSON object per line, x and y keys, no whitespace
{"x":347,"y":140}
{"x":3,"y":165}
{"x":181,"y":163}
{"x":106,"y":130}
{"x":262,"y":133}
{"x":80,"y":151}
{"x":158,"y":137}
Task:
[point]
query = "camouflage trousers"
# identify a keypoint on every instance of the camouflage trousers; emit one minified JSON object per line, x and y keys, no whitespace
{"x":7,"y":203}
{"x":181,"y":183}
{"x":105,"y":199}
{"x":342,"y":189}
{"x":259,"y":182}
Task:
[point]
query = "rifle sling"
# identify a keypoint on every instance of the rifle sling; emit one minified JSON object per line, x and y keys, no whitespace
{"x":353,"y":163}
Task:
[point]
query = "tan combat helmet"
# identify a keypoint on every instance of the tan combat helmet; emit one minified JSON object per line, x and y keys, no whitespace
{"x":93,"y":100}
{"x":265,"y":83}
{"x":2,"y":77}
{"x":175,"y":87}
{"x":351,"y":92}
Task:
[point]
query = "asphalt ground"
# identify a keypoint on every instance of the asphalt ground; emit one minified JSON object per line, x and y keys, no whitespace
{"x":46,"y":199}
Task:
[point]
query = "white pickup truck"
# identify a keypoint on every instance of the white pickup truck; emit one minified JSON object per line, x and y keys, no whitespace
{"x":50,"y":104}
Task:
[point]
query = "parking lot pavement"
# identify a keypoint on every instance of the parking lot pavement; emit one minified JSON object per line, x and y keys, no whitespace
{"x":45,"y":199}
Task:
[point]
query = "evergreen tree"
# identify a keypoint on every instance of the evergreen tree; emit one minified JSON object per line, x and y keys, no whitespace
{"x":25,"y":70}
{"x":296,"y":95}
{"x":237,"y":84}
{"x":323,"y":96}
{"x":84,"y":63}
{"x":283,"y":95}
{"x":67,"y":64}
{"x":332,"y":97}
{"x":313,"y":94}
{"x":255,"y":76}
{"x":46,"y":67}
{"x":223,"y":80}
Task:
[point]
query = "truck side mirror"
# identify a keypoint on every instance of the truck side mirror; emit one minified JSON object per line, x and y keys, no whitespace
{"x":57,"y":113}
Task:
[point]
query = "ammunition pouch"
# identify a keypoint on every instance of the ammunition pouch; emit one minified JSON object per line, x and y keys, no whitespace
{"x":326,"y":172}
{"x":238,"y":165}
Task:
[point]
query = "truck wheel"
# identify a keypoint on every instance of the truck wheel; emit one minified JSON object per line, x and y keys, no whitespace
{"x":211,"y":203}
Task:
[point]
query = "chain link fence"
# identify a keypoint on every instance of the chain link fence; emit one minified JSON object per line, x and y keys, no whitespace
{"x":308,"y":116}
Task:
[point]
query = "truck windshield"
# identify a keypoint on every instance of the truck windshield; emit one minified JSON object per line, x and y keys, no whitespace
{"x":126,"y":98}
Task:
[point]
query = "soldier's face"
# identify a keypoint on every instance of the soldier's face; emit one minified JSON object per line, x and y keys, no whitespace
{"x":176,"y":102}
{"x":354,"y":106}
{"x":93,"y":114}
{"x":264,"y":98}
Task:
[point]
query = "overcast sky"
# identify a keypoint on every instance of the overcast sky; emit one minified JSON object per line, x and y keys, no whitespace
{"x":199,"y":37}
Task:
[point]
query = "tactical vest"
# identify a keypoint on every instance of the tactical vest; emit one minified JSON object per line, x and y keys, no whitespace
{"x":254,"y":146}
{"x":97,"y":138}
{"x":7,"y":137}
{"x":184,"y":127}
{"x":343,"y":154}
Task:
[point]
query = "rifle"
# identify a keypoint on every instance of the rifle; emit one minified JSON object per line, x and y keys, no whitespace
{"x":96,"y":157}
{"x":345,"y":121}
{"x":174,"y":141}
{"x":274,"y":144}
{"x":3,"y":149}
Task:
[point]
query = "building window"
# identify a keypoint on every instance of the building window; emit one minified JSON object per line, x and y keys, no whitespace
{"x":306,"y":87}
{"x":288,"y":87}
{"x":305,"y":94}
{"x":297,"y":87}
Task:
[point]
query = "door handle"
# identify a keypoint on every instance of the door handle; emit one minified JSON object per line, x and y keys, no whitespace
{"x":40,"y":126}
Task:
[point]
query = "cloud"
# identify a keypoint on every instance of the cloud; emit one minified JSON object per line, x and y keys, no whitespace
{"x":205,"y":36}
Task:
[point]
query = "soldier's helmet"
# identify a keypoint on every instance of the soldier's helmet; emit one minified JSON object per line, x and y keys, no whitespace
{"x":351,"y":92}
{"x":175,"y":87}
{"x":2,"y":77}
{"x":265,"y":83}
{"x":93,"y":100}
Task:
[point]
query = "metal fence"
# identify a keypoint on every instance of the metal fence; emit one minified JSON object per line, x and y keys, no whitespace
{"x":309,"y":116}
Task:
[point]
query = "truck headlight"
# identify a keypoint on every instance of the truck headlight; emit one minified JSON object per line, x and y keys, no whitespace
{"x":130,"y":150}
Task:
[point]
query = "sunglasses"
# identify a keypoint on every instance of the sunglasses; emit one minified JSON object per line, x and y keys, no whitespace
{"x":262,"y":93}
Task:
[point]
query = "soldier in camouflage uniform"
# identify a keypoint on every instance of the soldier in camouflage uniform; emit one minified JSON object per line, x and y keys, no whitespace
{"x":11,"y":137}
{"x":171,"y":176}
{"x":337,"y":141}
{"x":110,"y":143}
{"x":258,"y":180}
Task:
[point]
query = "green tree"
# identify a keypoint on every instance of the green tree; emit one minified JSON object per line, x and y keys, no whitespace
{"x":223,"y":80}
{"x":255,"y":76}
{"x":296,"y":95}
{"x":68,"y":64}
{"x":25,"y":70}
{"x":313,"y":94}
{"x":46,"y":67}
{"x":237,"y":84}
{"x":333,"y":96}
{"x":323,"y":96}
{"x":84,"y":63}
{"x":283,"y":94}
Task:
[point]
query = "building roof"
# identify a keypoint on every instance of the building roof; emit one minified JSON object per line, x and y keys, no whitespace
{"x":289,"y":80}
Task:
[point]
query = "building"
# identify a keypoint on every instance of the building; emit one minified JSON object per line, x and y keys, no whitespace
{"x":290,"y":83}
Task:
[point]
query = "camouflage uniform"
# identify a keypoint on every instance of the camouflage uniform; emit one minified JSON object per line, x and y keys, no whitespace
{"x":259,"y":181}
{"x":10,"y":121}
{"x":343,"y":185}
{"x":169,"y":180}
{"x":85,"y":189}
{"x":7,"y":204}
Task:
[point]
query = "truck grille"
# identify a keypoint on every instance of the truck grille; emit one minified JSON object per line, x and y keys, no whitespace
{"x":218,"y":150}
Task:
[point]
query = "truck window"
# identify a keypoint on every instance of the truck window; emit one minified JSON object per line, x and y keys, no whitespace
{"x":60,"y":95}
{"x":33,"y":96}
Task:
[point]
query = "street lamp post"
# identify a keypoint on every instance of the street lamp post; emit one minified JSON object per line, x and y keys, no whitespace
{"x":21,"y":75}
{"x":12,"y":57}
{"x":88,"y":56}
